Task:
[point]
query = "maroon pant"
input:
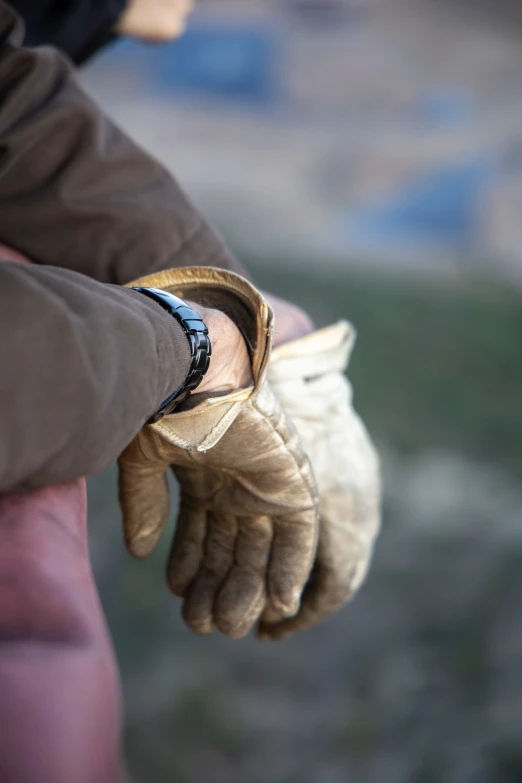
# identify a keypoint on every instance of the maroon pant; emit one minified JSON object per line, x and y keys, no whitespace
{"x":59,"y":691}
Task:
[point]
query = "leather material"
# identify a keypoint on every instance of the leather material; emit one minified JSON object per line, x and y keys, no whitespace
{"x":307,"y":377}
{"x":247,"y":526}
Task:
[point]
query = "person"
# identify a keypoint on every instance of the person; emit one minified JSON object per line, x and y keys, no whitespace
{"x":79,"y":28}
{"x":84,"y":364}
{"x":77,"y":196}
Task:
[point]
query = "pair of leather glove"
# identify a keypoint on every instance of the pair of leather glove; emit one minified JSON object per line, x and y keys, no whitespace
{"x":279,"y":483}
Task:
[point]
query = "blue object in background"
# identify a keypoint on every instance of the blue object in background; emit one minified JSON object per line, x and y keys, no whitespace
{"x":439,"y":207}
{"x":224,"y":63}
{"x":234,"y":63}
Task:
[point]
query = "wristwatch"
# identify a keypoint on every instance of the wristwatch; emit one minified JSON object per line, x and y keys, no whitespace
{"x":199,"y":341}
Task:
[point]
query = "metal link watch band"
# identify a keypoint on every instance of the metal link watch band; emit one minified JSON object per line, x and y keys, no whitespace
{"x":199,"y":341}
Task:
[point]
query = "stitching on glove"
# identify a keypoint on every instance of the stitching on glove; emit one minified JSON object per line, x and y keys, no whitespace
{"x":219,"y":430}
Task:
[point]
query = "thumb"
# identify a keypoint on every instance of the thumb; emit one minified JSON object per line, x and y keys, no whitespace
{"x":144,"y":501}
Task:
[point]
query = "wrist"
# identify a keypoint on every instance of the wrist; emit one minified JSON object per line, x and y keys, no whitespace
{"x":230,"y":367}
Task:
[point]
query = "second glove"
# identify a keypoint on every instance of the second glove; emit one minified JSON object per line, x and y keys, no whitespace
{"x":307,"y":377}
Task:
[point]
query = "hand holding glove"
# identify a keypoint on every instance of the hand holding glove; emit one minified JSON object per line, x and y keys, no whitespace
{"x":248,"y":522}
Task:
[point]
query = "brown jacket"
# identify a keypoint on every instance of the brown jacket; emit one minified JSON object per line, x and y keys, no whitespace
{"x":83,"y":363}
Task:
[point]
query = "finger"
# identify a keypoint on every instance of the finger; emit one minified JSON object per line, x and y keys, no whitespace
{"x":187,"y":550}
{"x":218,"y":559}
{"x":281,"y":629}
{"x":322,"y":596}
{"x":144,"y":501}
{"x":243,"y":594}
{"x":291,"y":560}
{"x":341,"y":565}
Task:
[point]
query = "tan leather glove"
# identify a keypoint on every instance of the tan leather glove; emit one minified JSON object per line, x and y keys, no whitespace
{"x":248,"y":521}
{"x":307,"y":377}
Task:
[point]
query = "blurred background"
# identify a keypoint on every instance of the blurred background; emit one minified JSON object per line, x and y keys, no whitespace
{"x":364,"y":158}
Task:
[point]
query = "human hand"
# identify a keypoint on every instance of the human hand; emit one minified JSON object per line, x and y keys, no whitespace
{"x":230,"y":366}
{"x":155,"y":21}
{"x":247,"y":527}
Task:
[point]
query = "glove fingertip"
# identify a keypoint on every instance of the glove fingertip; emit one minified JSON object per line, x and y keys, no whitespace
{"x":238,"y":632}
{"x":145,"y":509}
{"x":236,"y":621}
{"x":141,"y":546}
{"x":264,"y":635}
{"x":176,"y":587}
{"x":232,"y":628}
{"x":267,"y":632}
{"x":286,"y":607}
{"x":201,"y":626}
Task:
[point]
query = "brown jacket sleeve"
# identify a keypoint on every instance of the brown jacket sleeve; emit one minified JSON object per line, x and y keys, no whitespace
{"x":74,"y":190}
{"x":82,"y":366}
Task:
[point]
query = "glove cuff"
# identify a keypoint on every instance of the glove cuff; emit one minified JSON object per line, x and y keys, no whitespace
{"x":324,"y":351}
{"x":228,"y":292}
{"x":200,"y":422}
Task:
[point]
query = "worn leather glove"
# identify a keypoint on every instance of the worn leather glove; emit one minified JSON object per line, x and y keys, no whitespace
{"x":248,"y":521}
{"x":307,"y":377}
